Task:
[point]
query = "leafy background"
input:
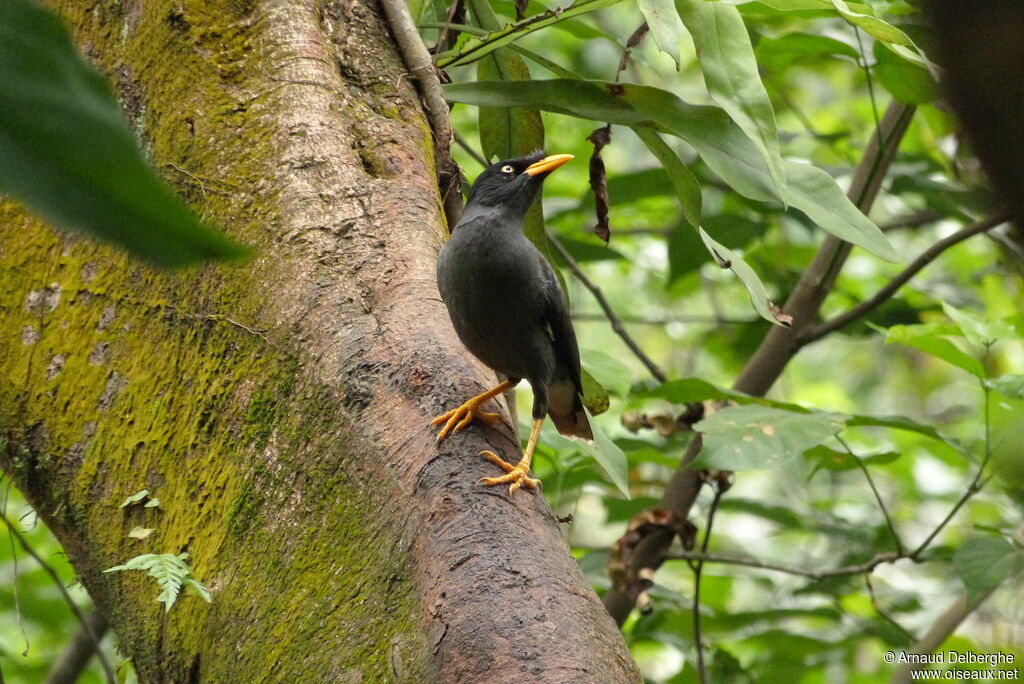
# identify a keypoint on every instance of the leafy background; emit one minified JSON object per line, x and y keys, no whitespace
{"x":715,"y":113}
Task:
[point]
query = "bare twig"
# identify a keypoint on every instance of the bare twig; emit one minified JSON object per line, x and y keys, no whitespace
{"x":617,"y":326}
{"x":698,"y":568}
{"x":928,"y":256}
{"x":477,"y":157}
{"x":49,"y":569}
{"x":874,"y":490}
{"x":664,"y":320}
{"x":76,"y":655}
{"x":751,"y":562}
{"x":940,"y":630}
{"x":882,"y":613}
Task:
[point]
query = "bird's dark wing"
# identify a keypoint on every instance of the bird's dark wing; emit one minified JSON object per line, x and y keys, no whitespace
{"x":556,"y":316}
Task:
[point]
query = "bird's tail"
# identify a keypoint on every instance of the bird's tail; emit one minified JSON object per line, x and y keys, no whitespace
{"x":566,"y":411}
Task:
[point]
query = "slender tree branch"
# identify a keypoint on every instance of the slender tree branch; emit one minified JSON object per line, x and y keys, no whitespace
{"x":940,"y":630}
{"x":874,"y":490}
{"x":928,"y":256}
{"x":698,"y":568}
{"x":751,"y":562}
{"x":916,"y":220}
{"x":664,"y":320}
{"x":779,"y":345}
{"x":419,"y":63}
{"x":76,"y":655}
{"x":882,"y":613}
{"x":470,"y":150}
{"x":616,"y":322}
{"x":49,"y":569}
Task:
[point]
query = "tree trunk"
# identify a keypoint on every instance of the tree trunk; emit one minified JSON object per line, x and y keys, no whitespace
{"x":278,"y":409}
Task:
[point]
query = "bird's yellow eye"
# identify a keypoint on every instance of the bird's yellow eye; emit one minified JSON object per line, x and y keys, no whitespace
{"x":507,"y":168}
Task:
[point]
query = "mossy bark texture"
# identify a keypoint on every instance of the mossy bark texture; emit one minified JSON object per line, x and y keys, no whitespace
{"x":278,"y":409}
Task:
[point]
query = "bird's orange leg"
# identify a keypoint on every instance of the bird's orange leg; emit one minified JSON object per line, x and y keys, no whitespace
{"x":517,"y":475}
{"x":460,"y":417}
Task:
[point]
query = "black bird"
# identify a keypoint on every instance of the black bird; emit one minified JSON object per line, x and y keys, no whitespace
{"x":509,"y":310}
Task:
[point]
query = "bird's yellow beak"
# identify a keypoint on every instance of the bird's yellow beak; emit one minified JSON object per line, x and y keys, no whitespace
{"x":547,"y":164}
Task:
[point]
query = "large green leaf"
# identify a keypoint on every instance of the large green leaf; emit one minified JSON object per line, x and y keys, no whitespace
{"x":720,"y":143}
{"x":66,"y":152}
{"x":686,"y":186}
{"x":777,"y":53}
{"x":907,"y":81}
{"x":755,"y":288}
{"x":609,"y":456}
{"x":978,"y":330}
{"x":743,"y":437}
{"x":983,"y":563}
{"x":664,"y":25}
{"x":478,"y":46}
{"x":929,"y":339}
{"x":815,"y":193}
{"x":731,"y":75}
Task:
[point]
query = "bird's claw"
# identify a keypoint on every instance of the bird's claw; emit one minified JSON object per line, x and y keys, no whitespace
{"x":459,"y":418}
{"x":516,"y":475}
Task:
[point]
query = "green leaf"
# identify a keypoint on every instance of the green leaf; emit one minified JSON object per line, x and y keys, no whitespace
{"x":778,"y":53}
{"x":608,"y":455}
{"x":507,"y":132}
{"x":692,"y":390}
{"x":608,"y":370}
{"x":744,"y":437}
{"x":171,"y":573}
{"x":595,"y":396}
{"x":927,"y":339}
{"x":977,"y":330}
{"x":152,"y":503}
{"x":1011,"y":384}
{"x":720,"y":143}
{"x":908,"y":82}
{"x":731,"y":75}
{"x":830,"y":459}
{"x":664,"y":25}
{"x":66,"y":152}
{"x":686,"y":186}
{"x":815,"y":193}
{"x":135,"y":498}
{"x":477,"y":47}
{"x":755,"y":288}
{"x":140,"y":532}
{"x":983,"y":563}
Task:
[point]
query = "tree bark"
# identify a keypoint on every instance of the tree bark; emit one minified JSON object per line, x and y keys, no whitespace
{"x":278,"y":409}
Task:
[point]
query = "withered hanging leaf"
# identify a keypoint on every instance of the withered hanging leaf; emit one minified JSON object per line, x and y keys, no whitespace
{"x":599,"y":181}
{"x":521,"y":9}
{"x":783,"y":318}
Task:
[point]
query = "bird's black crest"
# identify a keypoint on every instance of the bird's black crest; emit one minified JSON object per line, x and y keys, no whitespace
{"x":496,"y":183}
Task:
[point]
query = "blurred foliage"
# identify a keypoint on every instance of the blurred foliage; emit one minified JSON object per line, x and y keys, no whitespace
{"x":887,"y":425}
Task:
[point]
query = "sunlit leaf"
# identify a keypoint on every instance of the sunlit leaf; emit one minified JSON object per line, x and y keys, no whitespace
{"x":1011,"y":384}
{"x":925,"y":338}
{"x":664,"y":25}
{"x":720,"y":143}
{"x":744,"y":437}
{"x":777,"y":53}
{"x":731,"y":75}
{"x":978,"y":330}
{"x":609,"y":456}
{"x":909,"y":82}
{"x":67,"y":153}
{"x":608,"y":370}
{"x":755,"y":288}
{"x":983,"y":563}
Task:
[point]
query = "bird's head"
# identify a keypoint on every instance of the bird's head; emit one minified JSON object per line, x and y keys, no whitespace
{"x":513,"y":184}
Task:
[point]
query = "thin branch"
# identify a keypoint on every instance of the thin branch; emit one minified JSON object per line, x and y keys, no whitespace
{"x":751,"y":562}
{"x":698,"y":568}
{"x":421,"y":66}
{"x":884,"y":614}
{"x":926,"y":257}
{"x":49,"y":569}
{"x":916,"y":220}
{"x":874,"y":490}
{"x":477,"y":157}
{"x":617,"y":326}
{"x":73,"y":660}
{"x":664,"y":320}
{"x":940,"y":630}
